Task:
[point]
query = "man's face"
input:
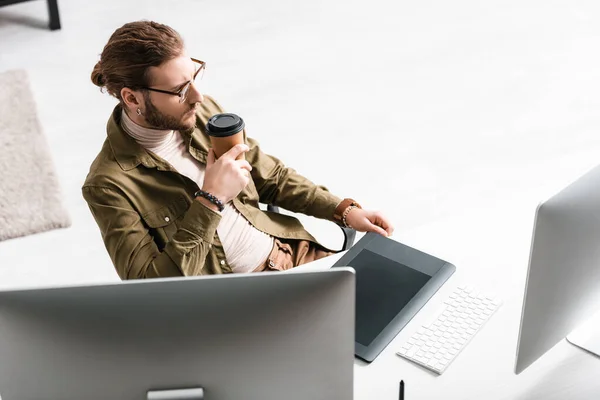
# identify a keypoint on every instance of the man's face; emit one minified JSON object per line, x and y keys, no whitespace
{"x":165,"y":111}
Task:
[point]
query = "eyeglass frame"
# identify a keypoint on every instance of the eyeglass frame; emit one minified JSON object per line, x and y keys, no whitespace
{"x":185,"y":87}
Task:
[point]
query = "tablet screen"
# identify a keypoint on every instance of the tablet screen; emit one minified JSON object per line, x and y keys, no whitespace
{"x":383,"y":288}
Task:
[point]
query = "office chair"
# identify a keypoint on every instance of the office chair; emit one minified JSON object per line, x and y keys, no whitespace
{"x":349,"y":233}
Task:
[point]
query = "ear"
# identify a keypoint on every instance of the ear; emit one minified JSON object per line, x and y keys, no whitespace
{"x":132,"y":99}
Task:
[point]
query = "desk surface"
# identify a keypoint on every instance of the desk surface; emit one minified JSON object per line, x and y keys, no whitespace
{"x":490,"y":249}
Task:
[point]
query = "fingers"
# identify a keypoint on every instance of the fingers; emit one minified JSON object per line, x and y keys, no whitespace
{"x":382,"y":223}
{"x":243,"y":164}
{"x":235,"y":151}
{"x":377,"y":229}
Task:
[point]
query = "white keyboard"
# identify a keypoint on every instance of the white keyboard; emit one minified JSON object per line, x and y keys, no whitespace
{"x":436,"y":345}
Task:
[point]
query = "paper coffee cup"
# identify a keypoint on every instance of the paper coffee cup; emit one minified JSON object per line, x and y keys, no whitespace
{"x":225,"y":131}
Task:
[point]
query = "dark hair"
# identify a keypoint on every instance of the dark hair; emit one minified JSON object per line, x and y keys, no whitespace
{"x":130,"y":51}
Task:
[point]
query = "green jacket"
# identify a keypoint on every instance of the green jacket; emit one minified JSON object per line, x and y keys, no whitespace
{"x":153,"y":227}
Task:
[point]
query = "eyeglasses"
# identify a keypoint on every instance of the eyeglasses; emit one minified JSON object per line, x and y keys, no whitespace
{"x":184,"y":90}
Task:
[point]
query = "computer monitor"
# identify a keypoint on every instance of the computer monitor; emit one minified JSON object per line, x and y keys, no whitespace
{"x":266,"y":336}
{"x":562,"y":292}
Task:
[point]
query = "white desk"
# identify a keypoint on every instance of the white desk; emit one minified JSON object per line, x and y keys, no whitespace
{"x":490,"y":249}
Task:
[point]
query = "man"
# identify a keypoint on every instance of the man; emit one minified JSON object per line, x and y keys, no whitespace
{"x":164,"y":205}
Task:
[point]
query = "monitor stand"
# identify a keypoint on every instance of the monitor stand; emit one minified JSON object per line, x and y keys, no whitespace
{"x":587,"y":336}
{"x":177,"y":394}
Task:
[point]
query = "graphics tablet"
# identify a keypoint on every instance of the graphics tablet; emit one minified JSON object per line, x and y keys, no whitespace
{"x":393,"y":282}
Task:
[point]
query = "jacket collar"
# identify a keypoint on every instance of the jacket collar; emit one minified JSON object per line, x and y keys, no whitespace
{"x":129,"y":154}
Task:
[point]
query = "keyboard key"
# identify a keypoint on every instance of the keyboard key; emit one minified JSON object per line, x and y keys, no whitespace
{"x":420,"y":359}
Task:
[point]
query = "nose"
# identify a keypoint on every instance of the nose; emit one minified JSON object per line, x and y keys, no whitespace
{"x":194,"y":95}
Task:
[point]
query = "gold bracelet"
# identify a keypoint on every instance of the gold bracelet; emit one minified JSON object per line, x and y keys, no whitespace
{"x":345,"y":214}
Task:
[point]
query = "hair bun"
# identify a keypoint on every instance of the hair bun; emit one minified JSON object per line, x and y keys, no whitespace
{"x":97,"y":77}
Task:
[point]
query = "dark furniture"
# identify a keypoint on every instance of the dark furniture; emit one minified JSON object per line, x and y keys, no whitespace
{"x":52,"y":11}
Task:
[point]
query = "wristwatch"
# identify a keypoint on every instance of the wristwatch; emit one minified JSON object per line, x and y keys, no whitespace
{"x":338,"y":215}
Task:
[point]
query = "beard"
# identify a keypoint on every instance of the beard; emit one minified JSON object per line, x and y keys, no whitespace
{"x":158,"y":120}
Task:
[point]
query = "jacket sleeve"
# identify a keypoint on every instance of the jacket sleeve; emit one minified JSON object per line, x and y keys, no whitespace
{"x":283,"y":186}
{"x":132,"y":249}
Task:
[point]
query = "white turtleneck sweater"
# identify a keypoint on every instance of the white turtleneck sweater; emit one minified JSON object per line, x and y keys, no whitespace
{"x":245,"y":247}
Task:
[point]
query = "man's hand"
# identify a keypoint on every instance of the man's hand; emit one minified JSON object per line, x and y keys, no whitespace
{"x":369,"y":221}
{"x":226,"y":177}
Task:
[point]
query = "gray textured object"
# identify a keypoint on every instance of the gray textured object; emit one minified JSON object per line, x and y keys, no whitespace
{"x":30,"y":195}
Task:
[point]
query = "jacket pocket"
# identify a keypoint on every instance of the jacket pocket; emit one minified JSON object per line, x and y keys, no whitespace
{"x":164,"y":221}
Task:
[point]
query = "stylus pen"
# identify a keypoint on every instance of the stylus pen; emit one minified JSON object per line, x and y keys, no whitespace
{"x":401,"y":390}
